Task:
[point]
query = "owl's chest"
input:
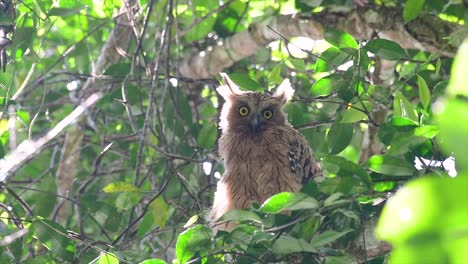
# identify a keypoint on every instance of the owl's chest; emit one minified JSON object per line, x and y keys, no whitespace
{"x":255,"y":149}
{"x":260,"y":166}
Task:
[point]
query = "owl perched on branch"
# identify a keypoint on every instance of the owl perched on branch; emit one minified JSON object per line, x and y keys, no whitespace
{"x":263,"y":154}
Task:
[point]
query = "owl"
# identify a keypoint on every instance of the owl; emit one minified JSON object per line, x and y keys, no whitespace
{"x":262,"y":153}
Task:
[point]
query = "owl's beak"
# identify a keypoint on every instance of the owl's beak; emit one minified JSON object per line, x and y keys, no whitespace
{"x":254,"y":124}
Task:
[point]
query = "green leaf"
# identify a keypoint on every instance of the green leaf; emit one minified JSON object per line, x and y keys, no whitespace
{"x":118,"y":69}
{"x":227,"y":21}
{"x":127,"y":200}
{"x":23,"y":115}
{"x":339,"y":137}
{"x":275,"y":74}
{"x":438,"y":65}
{"x":120,"y":187}
{"x":191,"y":241}
{"x":24,"y":37}
{"x":146,"y":224}
{"x":54,"y":237}
{"x":296,"y":64}
{"x":239,"y":215}
{"x":207,"y":135}
{"x":161,"y":211}
{"x":345,"y":259}
{"x":310,"y":226}
{"x":356,"y":113}
{"x":426,"y":210}
{"x":386,"y":49}
{"x":412,"y":9}
{"x":106,"y":258}
{"x":63,"y":12}
{"x":201,"y":21}
{"x":390,"y":165}
{"x":345,"y":168}
{"x":192,"y":221}
{"x":403,"y":143}
{"x":424,"y":93}
{"x":286,"y":244}
{"x":458,"y":86}
{"x":331,"y":59}
{"x":341,"y":40}
{"x":153,"y":261}
{"x":403,"y":108}
{"x":428,"y":131}
{"x":245,"y":81}
{"x":403,"y":121}
{"x":334,"y":200}
{"x":328,"y":237}
{"x":454,"y":129}
{"x":322,"y":87}
{"x":288,"y":201}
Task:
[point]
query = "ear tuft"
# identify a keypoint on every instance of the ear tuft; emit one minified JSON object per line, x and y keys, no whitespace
{"x":284,"y":91}
{"x":229,"y":88}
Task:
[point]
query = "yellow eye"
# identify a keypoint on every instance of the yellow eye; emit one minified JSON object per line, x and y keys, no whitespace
{"x":267,"y":114}
{"x":243,"y":110}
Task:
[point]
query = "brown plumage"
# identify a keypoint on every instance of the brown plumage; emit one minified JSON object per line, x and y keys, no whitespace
{"x":263,"y":154}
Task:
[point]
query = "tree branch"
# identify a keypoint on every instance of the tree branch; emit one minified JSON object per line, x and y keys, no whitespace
{"x":422,"y":34}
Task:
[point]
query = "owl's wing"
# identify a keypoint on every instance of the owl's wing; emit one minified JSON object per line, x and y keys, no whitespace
{"x":302,"y":161}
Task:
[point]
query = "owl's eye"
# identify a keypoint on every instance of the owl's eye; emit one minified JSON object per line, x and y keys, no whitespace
{"x":243,"y":110}
{"x":267,"y":114}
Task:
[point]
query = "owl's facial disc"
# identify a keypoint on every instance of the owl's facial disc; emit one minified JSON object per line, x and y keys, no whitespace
{"x":255,"y":124}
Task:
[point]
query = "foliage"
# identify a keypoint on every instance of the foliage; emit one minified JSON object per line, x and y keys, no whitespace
{"x":147,"y":161}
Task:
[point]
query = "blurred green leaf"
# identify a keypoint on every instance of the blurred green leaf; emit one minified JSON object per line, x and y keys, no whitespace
{"x":161,"y":211}
{"x":275,"y":74}
{"x":286,"y":244}
{"x":118,"y":69}
{"x":288,"y":201}
{"x":241,"y":215}
{"x":403,"y":108}
{"x":458,"y":84}
{"x":153,"y":261}
{"x":106,"y":258}
{"x":120,"y":187}
{"x":23,"y":115}
{"x":328,"y":237}
{"x":424,"y":93}
{"x":146,"y":224}
{"x":345,"y":168}
{"x":386,"y":49}
{"x":341,"y":39}
{"x":207,"y":135}
{"x":245,"y":81}
{"x":296,"y":64}
{"x":454,"y":131}
{"x":192,"y":241}
{"x":127,"y":200}
{"x":322,"y":87}
{"x":54,"y":237}
{"x":356,"y":113}
{"x":426,"y":214}
{"x":400,"y":121}
{"x":412,"y":9}
{"x":330,"y":59}
{"x":428,"y":131}
{"x":310,"y":226}
{"x":202,"y":21}
{"x":63,"y":12}
{"x":390,"y":165}
{"x":227,"y":21}
{"x":339,"y":137}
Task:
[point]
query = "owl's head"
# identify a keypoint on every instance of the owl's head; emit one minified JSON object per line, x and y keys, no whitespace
{"x":252,"y":112}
